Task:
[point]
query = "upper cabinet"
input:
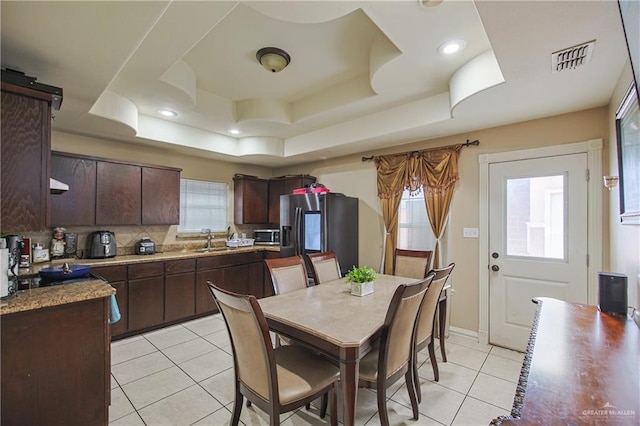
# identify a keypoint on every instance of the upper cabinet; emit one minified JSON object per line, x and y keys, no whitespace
{"x":160,"y":196}
{"x":282,"y":186}
{"x":118,"y":194}
{"x":77,"y":206}
{"x":108,"y":192}
{"x":26,"y":144}
{"x":257,"y":201}
{"x":251,"y":197}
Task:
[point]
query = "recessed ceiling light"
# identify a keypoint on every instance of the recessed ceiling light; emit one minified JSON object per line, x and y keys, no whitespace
{"x":234,"y":131}
{"x":167,"y":112}
{"x":451,"y":47}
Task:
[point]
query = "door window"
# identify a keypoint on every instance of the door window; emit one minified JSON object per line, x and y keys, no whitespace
{"x":536,"y":217}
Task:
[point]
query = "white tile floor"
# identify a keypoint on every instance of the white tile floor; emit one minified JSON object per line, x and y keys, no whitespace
{"x":183,"y":375}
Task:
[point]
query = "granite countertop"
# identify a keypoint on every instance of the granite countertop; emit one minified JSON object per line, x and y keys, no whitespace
{"x":42,"y":297}
{"x":157,"y":257}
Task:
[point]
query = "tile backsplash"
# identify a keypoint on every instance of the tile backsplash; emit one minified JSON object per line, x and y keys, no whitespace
{"x":166,"y":237}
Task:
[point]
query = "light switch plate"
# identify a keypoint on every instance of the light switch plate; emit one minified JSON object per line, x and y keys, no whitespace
{"x":470,"y":232}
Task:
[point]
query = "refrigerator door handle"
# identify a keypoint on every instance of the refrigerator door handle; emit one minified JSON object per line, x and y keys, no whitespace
{"x":297,"y":222}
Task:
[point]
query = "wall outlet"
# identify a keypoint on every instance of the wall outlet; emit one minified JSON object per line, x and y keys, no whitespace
{"x":470,"y":232}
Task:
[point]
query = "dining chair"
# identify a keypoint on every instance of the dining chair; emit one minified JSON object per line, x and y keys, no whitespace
{"x":277,"y":380}
{"x":393,"y":356}
{"x":412,"y":263}
{"x":287,"y":274}
{"x":426,"y":321}
{"x":324,"y":267}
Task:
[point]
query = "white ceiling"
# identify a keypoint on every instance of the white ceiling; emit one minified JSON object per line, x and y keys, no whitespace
{"x":363,"y":74}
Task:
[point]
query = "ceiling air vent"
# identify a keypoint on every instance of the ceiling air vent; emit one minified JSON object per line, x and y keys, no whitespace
{"x":572,"y":57}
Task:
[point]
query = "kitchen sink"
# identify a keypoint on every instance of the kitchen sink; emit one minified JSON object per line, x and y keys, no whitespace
{"x":212,"y":249}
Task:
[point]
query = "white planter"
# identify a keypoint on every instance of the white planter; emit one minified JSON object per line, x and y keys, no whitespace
{"x":362,"y":289}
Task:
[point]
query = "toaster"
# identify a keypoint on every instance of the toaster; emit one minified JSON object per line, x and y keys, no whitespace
{"x":145,"y":246}
{"x":102,"y":244}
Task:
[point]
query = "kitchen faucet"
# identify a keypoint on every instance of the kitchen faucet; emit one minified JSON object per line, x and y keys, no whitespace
{"x":209,"y":237}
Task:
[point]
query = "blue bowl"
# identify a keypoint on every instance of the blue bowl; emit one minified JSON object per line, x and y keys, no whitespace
{"x":58,"y":273}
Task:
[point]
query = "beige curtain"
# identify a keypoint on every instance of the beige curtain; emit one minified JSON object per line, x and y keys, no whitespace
{"x":392,"y":175}
{"x":440,"y":174}
{"x":436,"y":170}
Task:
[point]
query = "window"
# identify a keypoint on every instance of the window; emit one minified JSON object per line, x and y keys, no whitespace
{"x":202,"y":205}
{"x":414,"y":229}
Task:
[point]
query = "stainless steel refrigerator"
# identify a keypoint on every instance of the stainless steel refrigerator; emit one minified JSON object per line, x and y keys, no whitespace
{"x":315,"y":223}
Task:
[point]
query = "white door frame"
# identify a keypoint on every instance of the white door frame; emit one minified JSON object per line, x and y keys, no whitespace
{"x":593,"y":149}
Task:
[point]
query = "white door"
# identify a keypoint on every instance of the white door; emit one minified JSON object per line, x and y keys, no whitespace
{"x":537,"y":240}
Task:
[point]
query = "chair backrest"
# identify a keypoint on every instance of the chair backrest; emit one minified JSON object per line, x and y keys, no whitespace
{"x":412,"y":263}
{"x":398,"y":331}
{"x":430,"y":302}
{"x":324,"y":267}
{"x":287,"y":274}
{"x":250,"y":340}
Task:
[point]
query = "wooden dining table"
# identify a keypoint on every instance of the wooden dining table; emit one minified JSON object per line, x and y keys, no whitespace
{"x":335,"y":323}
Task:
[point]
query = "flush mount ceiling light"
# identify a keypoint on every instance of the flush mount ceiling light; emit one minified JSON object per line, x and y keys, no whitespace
{"x":167,"y":112}
{"x":451,"y":47}
{"x":234,"y":131}
{"x":273,"y":59}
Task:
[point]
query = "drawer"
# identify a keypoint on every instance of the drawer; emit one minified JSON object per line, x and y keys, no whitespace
{"x":180,"y":266}
{"x":224,"y":260}
{"x":144,"y":270}
{"x":111,"y":273}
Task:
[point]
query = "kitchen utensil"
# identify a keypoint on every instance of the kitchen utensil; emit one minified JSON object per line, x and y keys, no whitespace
{"x":145,"y":246}
{"x":64,"y":272}
{"x":102,"y":244}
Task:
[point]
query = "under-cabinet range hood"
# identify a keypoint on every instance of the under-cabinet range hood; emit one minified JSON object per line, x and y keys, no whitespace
{"x":57,"y":187}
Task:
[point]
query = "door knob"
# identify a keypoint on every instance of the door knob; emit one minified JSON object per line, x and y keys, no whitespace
{"x":495,"y":268}
{"x":494,"y":255}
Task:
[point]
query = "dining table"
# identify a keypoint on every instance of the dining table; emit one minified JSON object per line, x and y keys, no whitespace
{"x":335,"y":323}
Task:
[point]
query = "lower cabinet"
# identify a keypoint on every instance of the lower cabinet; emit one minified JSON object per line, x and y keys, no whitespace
{"x":57,"y":370}
{"x":153,"y":294}
{"x":146,"y":295}
{"x":179,"y":289}
{"x":117,"y":277}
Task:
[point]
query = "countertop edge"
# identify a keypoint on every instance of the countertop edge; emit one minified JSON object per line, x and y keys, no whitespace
{"x":44,"y":297}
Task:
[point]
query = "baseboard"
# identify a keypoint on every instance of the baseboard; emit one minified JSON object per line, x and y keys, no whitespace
{"x":463,"y":332}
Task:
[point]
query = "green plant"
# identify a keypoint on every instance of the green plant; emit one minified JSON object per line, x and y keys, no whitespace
{"x":361,"y":275}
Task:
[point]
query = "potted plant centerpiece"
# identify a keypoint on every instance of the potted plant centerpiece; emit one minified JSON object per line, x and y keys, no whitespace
{"x":361,"y":280}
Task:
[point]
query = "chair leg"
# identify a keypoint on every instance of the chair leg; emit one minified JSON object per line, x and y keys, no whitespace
{"x":416,"y":376}
{"x":411,"y":388}
{"x":442,"y":317}
{"x":434,"y":363}
{"x":382,"y":405}
{"x":323,"y":405}
{"x":333,"y":395}
{"x":237,"y":408}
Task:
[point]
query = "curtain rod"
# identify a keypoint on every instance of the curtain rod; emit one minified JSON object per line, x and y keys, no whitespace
{"x":468,"y":143}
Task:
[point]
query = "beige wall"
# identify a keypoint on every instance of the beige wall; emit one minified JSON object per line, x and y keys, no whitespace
{"x":625,"y":239}
{"x":356,"y":178}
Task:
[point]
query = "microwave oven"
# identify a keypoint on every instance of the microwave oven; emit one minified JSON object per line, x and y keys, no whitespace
{"x":267,"y":237}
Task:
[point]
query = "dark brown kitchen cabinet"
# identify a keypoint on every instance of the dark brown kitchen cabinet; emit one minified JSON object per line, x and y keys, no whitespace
{"x":117,"y":278}
{"x":146,"y":295}
{"x":268,"y":284}
{"x":256,"y":279}
{"x":160,"y":196}
{"x":25,"y":150}
{"x":204,"y":300}
{"x":251,"y":198}
{"x":118,"y":195}
{"x":283,"y":186}
{"x":179,"y":289}
{"x":111,"y":192}
{"x":56,"y":365}
{"x":77,"y":206}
